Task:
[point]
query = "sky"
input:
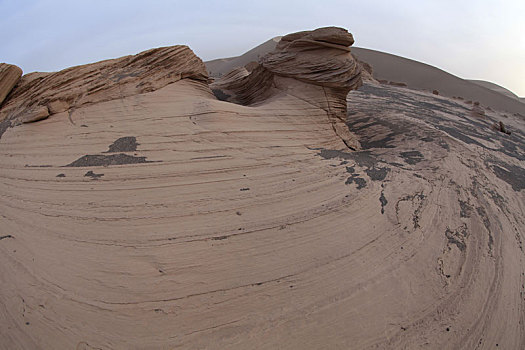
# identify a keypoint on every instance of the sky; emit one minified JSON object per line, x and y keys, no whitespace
{"x":473,"y":39}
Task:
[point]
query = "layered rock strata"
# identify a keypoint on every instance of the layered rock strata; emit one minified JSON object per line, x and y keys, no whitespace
{"x":316,"y":66}
{"x":9,"y":76}
{"x":173,"y":220}
{"x":38,"y":95}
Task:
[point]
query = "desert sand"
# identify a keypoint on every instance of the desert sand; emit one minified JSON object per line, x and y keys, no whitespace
{"x":496,"y":87}
{"x":140,"y":211}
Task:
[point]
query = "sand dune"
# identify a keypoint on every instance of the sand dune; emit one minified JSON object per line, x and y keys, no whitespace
{"x":155,"y":216}
{"x":495,"y":87}
{"x":422,"y":76}
{"x":222,"y":66}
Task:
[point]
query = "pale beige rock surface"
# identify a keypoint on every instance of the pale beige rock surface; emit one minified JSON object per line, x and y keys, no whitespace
{"x":169,"y":219}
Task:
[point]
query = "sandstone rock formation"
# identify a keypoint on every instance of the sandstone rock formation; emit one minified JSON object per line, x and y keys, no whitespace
{"x":98,"y":82}
{"x":367,"y":72}
{"x":9,"y":76}
{"x":170,"y":219}
{"x":388,"y":67}
{"x":313,"y":65}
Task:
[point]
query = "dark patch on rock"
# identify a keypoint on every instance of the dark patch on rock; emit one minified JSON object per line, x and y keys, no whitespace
{"x":369,"y":140}
{"x":412,"y":157}
{"x":474,"y":189}
{"x":61,"y":175}
{"x":464,"y":128}
{"x":245,"y":189}
{"x":417,"y":212}
{"x":383,"y":201}
{"x":484,"y":217}
{"x":123,"y":144}
{"x":443,"y":145}
{"x":221,"y":95}
{"x":208,"y":157}
{"x":119,"y":76}
{"x":331,"y":154}
{"x":106,"y":160}
{"x":458,"y":236}
{"x":397,"y":165}
{"x":4,"y":125}
{"x":460,"y":135}
{"x":381,"y":143}
{"x":465,"y":209}
{"x":92,"y":175}
{"x":219,"y":238}
{"x":360,"y":182}
{"x":377,"y":173}
{"x":497,"y":199}
{"x":511,"y":147}
{"x":511,"y":174}
{"x":6,"y":236}
{"x":418,"y":197}
{"x":491,"y":242}
{"x":363,"y":158}
{"x":427,"y":139}
{"x":398,"y":98}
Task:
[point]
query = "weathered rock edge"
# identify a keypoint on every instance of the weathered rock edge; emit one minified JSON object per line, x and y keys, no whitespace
{"x":315,"y":66}
{"x":39,"y":95}
{"x":9,"y":76}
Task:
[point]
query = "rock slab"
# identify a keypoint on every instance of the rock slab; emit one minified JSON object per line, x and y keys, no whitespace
{"x":97,"y":82}
{"x":9,"y":76}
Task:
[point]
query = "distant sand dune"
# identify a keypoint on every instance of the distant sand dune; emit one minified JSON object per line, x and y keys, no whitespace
{"x":394,"y":68}
{"x":495,"y":87}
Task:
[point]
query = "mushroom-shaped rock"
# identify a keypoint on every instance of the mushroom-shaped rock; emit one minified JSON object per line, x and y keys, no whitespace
{"x":321,"y":57}
{"x":315,"y":66}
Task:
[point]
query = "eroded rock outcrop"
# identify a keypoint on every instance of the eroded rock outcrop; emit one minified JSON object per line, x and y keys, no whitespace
{"x":174,"y":220}
{"x":9,"y":76}
{"x":107,"y":80}
{"x":316,"y":66}
{"x":367,"y":72}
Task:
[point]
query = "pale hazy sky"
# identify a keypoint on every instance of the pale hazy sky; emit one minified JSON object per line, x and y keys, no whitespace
{"x":474,"y":39}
